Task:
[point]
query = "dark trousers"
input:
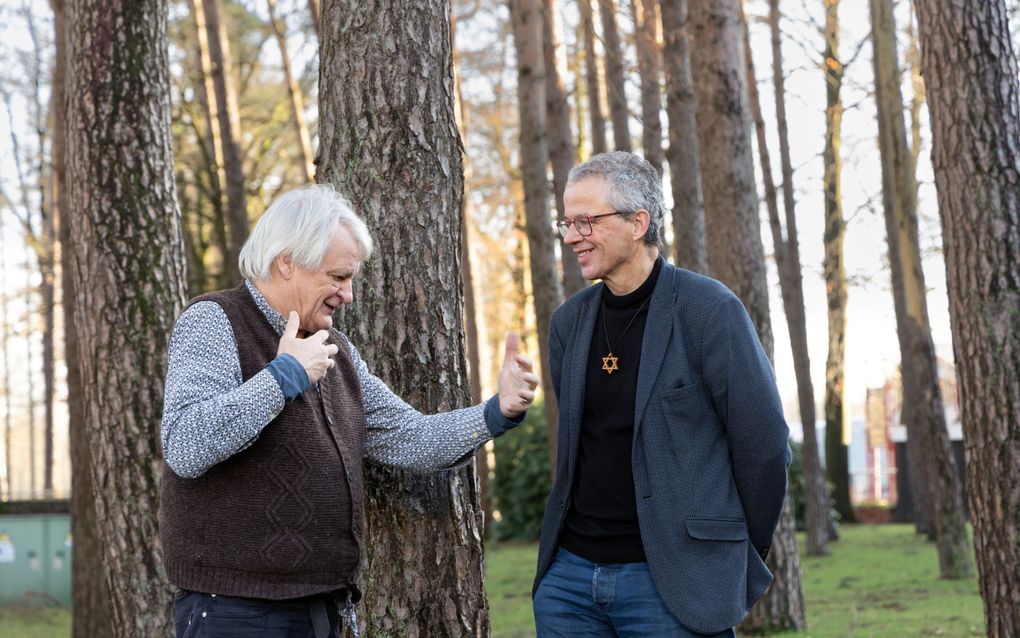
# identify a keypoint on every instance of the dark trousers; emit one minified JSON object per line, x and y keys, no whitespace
{"x":198,"y":615}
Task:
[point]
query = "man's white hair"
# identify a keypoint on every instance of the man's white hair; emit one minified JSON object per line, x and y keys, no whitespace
{"x":300,"y":223}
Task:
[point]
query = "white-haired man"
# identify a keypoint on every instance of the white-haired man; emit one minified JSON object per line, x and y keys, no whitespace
{"x":268,"y":413}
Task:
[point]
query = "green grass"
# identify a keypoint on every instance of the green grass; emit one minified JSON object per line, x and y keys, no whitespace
{"x":35,"y":622}
{"x":878,"y":581}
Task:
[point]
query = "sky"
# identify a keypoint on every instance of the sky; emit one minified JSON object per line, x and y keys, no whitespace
{"x":872,"y":347}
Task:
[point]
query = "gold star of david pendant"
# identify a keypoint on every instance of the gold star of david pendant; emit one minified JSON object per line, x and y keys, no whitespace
{"x":609,"y":363}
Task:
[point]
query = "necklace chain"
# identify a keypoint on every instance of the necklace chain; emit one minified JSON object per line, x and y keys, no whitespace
{"x":610,"y":362}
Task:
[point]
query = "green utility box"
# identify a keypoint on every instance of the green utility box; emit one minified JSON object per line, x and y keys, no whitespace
{"x":35,"y":559}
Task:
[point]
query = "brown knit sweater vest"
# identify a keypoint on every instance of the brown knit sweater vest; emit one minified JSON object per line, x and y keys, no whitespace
{"x":284,"y":517}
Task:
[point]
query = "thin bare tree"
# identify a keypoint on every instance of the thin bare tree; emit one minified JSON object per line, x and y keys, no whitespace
{"x":923,"y":412}
{"x":787,"y":255}
{"x":649,"y":59}
{"x":297,"y":101}
{"x":619,"y":114}
{"x":833,"y":268}
{"x":229,"y":119}
{"x":690,"y":249}
{"x":561,"y":138}
{"x":591,"y":78}
{"x":527,"y":22}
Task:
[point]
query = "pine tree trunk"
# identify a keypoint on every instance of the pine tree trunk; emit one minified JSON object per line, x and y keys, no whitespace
{"x":561,"y":139}
{"x":389,"y":142}
{"x":690,"y":250}
{"x":211,"y":108}
{"x":618,"y":111}
{"x":128,"y":282}
{"x":833,"y":269}
{"x":649,"y":58}
{"x":30,"y":390}
{"x":229,"y":122}
{"x":816,"y":503}
{"x":5,"y":329}
{"x":816,"y":497}
{"x":316,"y":13}
{"x":591,"y":77}
{"x":472,"y":326}
{"x":781,"y":612}
{"x":917,"y":349}
{"x":527,"y":20}
{"x":966,"y":50}
{"x":297,"y":102}
{"x":735,"y":251}
{"x":90,"y":602}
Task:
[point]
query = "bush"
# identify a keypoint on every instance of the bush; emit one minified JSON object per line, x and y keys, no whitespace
{"x":522,"y":479}
{"x":796,"y":475}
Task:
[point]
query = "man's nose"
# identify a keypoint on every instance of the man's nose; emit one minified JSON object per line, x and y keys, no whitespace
{"x":572,"y":236}
{"x":346,"y":293}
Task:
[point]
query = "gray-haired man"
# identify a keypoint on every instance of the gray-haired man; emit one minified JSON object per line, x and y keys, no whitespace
{"x":671,"y":467}
{"x":268,"y":413}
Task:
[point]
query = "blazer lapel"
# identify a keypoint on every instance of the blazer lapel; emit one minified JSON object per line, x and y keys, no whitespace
{"x":578,"y":375}
{"x":658,"y":329}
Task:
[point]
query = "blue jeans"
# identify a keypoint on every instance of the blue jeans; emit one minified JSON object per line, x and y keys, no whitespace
{"x":584,"y":599}
{"x":198,"y":615}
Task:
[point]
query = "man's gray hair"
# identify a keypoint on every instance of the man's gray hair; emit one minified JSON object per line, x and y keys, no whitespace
{"x":634,"y":184}
{"x":300,"y":223}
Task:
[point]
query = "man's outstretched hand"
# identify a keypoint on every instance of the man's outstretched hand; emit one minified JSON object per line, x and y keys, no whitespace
{"x":516,"y":380}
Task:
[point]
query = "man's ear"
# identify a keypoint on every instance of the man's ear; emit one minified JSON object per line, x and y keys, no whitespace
{"x":284,"y":264}
{"x":642,"y":220}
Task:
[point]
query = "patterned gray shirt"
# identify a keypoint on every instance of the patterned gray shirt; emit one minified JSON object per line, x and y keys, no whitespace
{"x":210,"y":414}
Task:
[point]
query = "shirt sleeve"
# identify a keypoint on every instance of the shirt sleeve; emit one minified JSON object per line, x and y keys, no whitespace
{"x":209,"y":414}
{"x":403,"y":437}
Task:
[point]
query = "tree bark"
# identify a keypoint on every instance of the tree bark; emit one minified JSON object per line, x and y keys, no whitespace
{"x":787,"y":253}
{"x":90,"y":602}
{"x":735,"y":251}
{"x":561,"y":139}
{"x":649,"y":58}
{"x":690,"y":250}
{"x":833,"y":269}
{"x":527,"y":20}
{"x":816,"y":502}
{"x":129,"y":282}
{"x":966,"y":50}
{"x":229,"y":121}
{"x":389,"y":142}
{"x":619,"y":114}
{"x":591,"y":77}
{"x":917,"y":349}
{"x":297,"y":102}
{"x":472,"y":327}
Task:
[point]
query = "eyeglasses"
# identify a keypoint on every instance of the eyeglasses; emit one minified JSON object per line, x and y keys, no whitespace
{"x":583,"y":223}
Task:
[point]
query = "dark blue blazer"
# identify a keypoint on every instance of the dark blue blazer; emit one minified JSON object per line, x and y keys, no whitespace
{"x":710,"y":445}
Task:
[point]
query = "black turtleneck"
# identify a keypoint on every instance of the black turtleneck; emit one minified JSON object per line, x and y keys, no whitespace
{"x":602,"y":523}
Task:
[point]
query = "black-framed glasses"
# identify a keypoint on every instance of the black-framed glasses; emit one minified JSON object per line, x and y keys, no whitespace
{"x":583,"y":223}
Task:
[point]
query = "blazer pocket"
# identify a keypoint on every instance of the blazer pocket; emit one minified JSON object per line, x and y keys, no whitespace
{"x":677,"y":393}
{"x":714,"y":529}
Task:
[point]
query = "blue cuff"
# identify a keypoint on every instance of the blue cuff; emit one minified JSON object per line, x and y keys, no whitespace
{"x":290,"y":375}
{"x":496,"y":422}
